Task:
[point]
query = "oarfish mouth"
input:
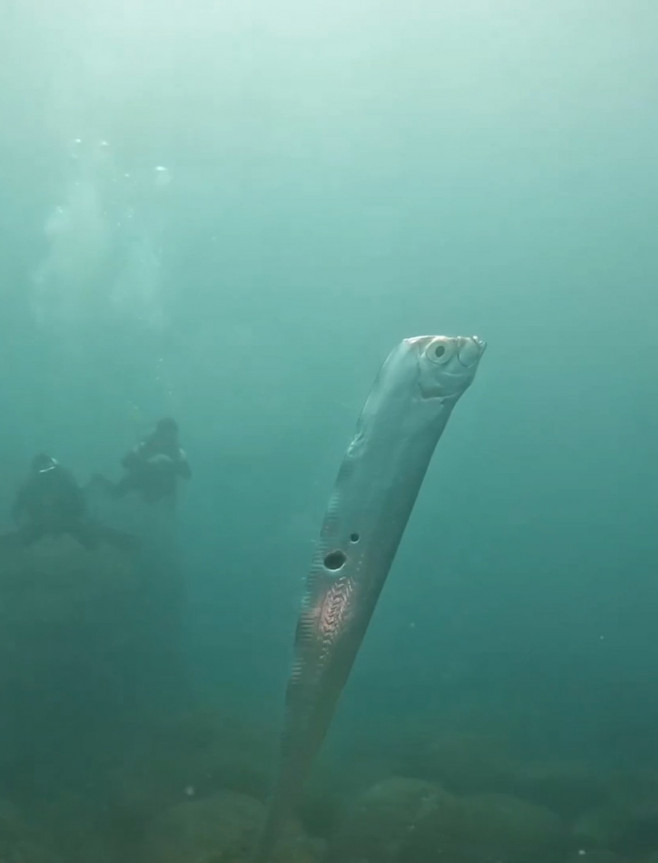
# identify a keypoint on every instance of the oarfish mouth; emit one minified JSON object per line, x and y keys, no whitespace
{"x":471,"y":350}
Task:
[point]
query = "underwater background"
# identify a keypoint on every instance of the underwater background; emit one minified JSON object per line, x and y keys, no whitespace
{"x":230,"y":212}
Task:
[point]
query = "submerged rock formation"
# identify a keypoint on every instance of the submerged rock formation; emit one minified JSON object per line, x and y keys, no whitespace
{"x":80,"y":659}
{"x":412,"y":821}
{"x":222,"y":827}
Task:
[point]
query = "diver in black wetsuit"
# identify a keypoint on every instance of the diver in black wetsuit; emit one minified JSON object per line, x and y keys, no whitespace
{"x":153,"y":467}
{"x":50,"y":502}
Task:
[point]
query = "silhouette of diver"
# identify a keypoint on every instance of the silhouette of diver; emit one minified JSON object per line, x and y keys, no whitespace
{"x":153,"y":467}
{"x":50,"y":502}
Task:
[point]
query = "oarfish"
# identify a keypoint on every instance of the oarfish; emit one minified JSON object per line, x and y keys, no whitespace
{"x":377,"y":484}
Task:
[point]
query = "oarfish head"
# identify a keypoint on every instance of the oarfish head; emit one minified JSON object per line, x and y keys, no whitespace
{"x":446,"y":364}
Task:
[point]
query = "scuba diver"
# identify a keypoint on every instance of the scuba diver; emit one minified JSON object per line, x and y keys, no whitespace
{"x":50,"y":502}
{"x":153,"y":467}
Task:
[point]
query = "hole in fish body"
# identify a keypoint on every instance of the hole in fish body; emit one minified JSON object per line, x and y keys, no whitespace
{"x":335,"y":560}
{"x":354,"y":537}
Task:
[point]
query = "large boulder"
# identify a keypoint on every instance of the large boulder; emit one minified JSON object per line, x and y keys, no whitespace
{"x":596,"y":855}
{"x":222,"y":827}
{"x":468,"y":763}
{"x":484,"y":828}
{"x":631,"y":832}
{"x":20,"y":841}
{"x":194,"y":756}
{"x":463,"y":763}
{"x":568,"y":788}
{"x":379,"y":822}
{"x":601,"y":828}
{"x":411,"y":821}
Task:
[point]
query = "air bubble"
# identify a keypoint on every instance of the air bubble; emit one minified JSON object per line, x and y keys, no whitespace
{"x":162,"y":176}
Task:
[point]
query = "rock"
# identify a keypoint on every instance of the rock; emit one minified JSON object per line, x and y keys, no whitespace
{"x":484,"y":828}
{"x":194,"y":757}
{"x":217,"y":828}
{"x":20,"y":841}
{"x":223,"y":828}
{"x":601,"y":828}
{"x":379,"y":822}
{"x":640,"y":835}
{"x":629,"y":832}
{"x":412,"y":821}
{"x":464,"y":763}
{"x":567,"y":788}
{"x":335,"y":779}
{"x":12,"y":825}
{"x":596,"y":855}
{"x":475,"y":764}
{"x":635,"y":790}
{"x":225,"y":752}
{"x":75,"y":829}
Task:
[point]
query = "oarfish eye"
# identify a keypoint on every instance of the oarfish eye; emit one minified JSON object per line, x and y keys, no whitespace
{"x":439,"y":351}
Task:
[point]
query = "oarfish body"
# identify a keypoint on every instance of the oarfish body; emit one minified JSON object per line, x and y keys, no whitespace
{"x":402,"y":420}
